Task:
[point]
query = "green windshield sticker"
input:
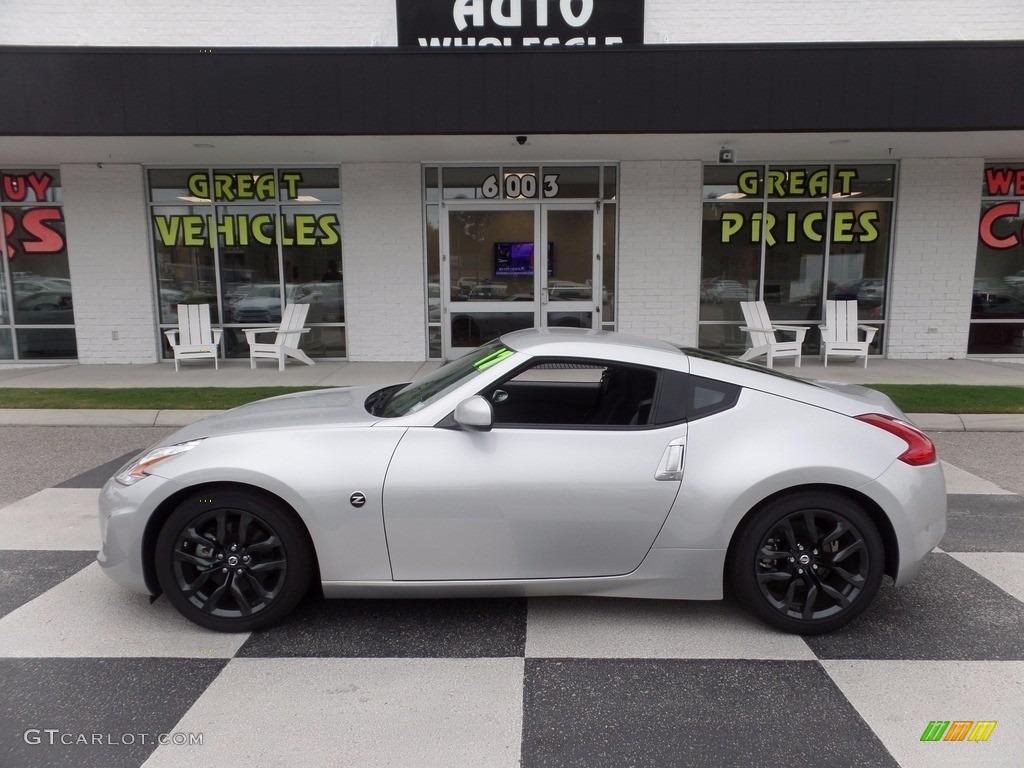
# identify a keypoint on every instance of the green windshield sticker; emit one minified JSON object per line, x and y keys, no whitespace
{"x":493,"y":359}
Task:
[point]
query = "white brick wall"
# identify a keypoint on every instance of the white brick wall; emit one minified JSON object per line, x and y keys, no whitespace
{"x":659,"y":249}
{"x":382,"y":249}
{"x":109,"y":254}
{"x":933,"y":264}
{"x":199,"y":23}
{"x":814,"y":21}
{"x":331,"y":23}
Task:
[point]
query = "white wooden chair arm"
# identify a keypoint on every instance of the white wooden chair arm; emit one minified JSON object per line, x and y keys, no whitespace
{"x":172,"y":337}
{"x":869,"y":332}
{"x":759,"y":330}
{"x":799,"y":330}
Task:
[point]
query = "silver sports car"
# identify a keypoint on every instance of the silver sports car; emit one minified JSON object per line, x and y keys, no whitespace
{"x":544,"y":463}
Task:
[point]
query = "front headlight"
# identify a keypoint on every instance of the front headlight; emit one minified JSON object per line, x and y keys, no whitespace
{"x":134,"y":471}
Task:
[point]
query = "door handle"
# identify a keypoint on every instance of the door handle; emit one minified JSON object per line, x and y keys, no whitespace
{"x":671,"y":467}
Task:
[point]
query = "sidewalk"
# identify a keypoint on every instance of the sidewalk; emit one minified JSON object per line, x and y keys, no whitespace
{"x":237,"y":373}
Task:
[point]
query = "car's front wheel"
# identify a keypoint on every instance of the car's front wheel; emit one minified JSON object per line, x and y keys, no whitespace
{"x":808,"y":562}
{"x":233,"y":560}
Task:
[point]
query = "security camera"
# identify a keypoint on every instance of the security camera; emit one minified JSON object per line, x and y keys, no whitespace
{"x":521,"y":140}
{"x":726,"y":155}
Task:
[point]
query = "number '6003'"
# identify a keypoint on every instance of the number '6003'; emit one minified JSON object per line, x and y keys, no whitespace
{"x":520,"y":185}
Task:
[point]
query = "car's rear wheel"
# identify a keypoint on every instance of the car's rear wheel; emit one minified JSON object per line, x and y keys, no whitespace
{"x":233,"y":560}
{"x":808,"y":562}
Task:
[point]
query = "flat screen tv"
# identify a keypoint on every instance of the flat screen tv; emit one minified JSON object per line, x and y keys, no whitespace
{"x":516,"y":259}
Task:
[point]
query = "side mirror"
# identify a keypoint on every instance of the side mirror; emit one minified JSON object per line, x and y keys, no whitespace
{"x":475,"y":414}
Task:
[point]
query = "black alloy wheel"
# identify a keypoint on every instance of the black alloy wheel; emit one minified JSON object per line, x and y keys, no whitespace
{"x":233,"y":560}
{"x":808,"y":563}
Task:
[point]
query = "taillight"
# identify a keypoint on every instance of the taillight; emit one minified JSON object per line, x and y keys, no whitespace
{"x":920,"y":449}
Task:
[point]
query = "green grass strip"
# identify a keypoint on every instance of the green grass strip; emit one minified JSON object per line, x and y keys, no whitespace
{"x":954,"y":398}
{"x":156,"y":398}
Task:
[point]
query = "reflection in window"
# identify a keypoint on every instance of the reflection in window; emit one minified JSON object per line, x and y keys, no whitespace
{"x":37,"y":314}
{"x":249,"y":242}
{"x":793,"y":236}
{"x":997,"y":295}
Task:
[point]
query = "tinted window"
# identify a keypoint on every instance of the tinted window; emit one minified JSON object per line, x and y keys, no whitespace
{"x":681,"y":396}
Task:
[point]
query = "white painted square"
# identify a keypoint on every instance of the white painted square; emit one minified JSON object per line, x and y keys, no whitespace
{"x":57,"y":518}
{"x":448,"y":713}
{"x":1004,"y":569}
{"x":898,"y":699}
{"x":961,"y":481}
{"x":88,"y":615}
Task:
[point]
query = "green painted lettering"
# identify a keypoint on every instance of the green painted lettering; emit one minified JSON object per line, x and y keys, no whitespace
{"x":749,"y":183}
{"x":732,"y":222}
{"x":167,"y":228}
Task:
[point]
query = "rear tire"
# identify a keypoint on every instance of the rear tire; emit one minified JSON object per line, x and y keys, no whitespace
{"x":233,"y":560}
{"x":808,"y":562}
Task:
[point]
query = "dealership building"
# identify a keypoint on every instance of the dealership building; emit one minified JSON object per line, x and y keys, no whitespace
{"x":428,"y":174}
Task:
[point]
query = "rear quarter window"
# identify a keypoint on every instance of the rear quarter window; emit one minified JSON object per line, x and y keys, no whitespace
{"x":682,"y":397}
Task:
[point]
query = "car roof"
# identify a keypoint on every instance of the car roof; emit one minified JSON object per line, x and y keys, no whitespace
{"x":584,"y":341}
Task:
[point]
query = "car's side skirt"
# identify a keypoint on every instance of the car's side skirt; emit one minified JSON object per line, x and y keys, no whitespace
{"x":665,"y":574}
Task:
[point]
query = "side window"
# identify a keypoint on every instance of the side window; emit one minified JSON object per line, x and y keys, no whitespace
{"x":574,"y":393}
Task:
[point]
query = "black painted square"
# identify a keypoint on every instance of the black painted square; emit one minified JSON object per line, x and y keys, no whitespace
{"x":97,"y":476}
{"x":460,"y":628}
{"x":984,"y":524}
{"x":26,"y":574}
{"x":127,"y":703}
{"x":661,"y":712}
{"x":949,"y":612}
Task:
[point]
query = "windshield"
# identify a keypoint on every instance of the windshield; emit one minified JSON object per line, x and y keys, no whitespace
{"x":436,"y":385}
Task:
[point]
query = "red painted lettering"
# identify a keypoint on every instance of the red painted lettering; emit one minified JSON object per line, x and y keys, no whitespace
{"x":38,"y":223}
{"x":987,"y":225}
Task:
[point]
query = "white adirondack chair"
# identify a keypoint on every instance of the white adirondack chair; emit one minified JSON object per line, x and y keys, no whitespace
{"x":194,"y":339}
{"x":764,"y":339}
{"x":840,"y":333}
{"x":286,"y":341}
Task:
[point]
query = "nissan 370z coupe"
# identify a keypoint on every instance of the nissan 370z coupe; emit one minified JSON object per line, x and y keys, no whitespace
{"x":557,"y":462}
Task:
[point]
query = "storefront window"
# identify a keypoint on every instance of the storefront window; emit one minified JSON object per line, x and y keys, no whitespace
{"x":36,"y":306}
{"x":793,"y":236}
{"x":997,"y":298}
{"x":248,"y":242}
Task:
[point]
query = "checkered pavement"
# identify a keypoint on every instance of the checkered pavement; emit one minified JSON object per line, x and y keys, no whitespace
{"x":91,"y":675}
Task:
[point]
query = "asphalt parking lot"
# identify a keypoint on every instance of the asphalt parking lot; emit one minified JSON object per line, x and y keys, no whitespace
{"x":94,"y":676}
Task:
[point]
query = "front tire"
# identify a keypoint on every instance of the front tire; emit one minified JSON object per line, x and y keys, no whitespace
{"x":233,"y":560}
{"x":808,"y":562}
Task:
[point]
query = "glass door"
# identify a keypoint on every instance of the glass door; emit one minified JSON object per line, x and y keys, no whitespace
{"x":517,"y":266}
{"x":570,"y":290}
{"x":491,"y":280}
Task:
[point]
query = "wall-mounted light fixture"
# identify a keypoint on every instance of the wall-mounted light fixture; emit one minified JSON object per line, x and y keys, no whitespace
{"x":726,"y":155}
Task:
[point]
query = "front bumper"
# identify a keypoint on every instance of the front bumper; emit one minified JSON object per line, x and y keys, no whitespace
{"x":124,"y":513}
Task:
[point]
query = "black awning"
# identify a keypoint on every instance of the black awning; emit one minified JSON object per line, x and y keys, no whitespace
{"x":390,"y":91}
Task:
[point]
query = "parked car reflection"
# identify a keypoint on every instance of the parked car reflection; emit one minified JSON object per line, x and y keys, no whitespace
{"x":996,"y":304}
{"x":263,"y":303}
{"x":868,"y":289}
{"x":717,"y":289}
{"x":46,"y":308}
{"x":330,"y":295}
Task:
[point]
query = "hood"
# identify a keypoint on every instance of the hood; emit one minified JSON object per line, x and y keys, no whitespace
{"x":319,"y":408}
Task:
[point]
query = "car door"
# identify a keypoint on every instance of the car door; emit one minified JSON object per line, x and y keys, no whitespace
{"x":529,"y":501}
